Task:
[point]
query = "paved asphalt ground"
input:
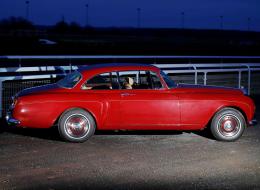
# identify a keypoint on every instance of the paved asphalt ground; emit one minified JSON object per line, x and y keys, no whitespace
{"x":38,"y":159}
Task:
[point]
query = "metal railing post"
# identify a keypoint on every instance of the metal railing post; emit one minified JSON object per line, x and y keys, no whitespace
{"x":205,"y":78}
{"x":20,"y":64}
{"x":239,"y":79}
{"x":196,"y":75}
{"x":249,"y":81}
{"x":248,"y":78}
{"x":70,"y":65}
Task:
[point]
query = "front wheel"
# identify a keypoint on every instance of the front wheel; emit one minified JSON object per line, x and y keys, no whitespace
{"x":228,"y":125}
{"x":76,"y":125}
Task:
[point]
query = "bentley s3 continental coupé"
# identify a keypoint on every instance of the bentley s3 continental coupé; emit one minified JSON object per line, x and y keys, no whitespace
{"x":130,"y":97}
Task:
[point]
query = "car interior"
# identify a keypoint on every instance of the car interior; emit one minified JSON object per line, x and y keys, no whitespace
{"x":127,"y":80}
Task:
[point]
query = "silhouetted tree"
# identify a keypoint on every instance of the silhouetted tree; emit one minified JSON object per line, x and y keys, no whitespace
{"x":16,"y":23}
{"x":75,"y":27}
{"x":61,"y":27}
{"x":64,"y":27}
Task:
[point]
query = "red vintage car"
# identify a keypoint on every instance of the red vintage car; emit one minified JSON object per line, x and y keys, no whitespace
{"x":130,"y":97}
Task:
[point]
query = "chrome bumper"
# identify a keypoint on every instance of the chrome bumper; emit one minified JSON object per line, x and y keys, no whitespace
{"x":253,"y":122}
{"x":10,"y":120}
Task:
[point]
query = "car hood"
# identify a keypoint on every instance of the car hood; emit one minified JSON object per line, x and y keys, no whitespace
{"x":208,"y":89}
{"x":49,"y":88}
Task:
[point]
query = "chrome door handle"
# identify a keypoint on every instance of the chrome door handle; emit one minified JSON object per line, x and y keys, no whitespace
{"x":127,"y":94}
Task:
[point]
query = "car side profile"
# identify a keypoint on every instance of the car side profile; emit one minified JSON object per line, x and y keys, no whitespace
{"x":130,"y":97}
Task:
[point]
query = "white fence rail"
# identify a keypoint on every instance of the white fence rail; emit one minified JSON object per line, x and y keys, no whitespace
{"x":15,"y":67}
{"x":214,"y":68}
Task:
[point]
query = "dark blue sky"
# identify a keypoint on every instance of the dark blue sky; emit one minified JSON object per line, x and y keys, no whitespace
{"x":154,"y":13}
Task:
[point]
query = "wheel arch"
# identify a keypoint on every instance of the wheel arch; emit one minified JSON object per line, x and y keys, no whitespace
{"x":224,"y":107}
{"x":241,"y":111}
{"x":73,"y":108}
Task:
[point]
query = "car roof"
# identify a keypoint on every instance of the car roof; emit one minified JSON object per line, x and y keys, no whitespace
{"x":109,"y":67}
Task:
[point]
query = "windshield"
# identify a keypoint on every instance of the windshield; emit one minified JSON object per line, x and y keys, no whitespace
{"x":70,"y":80}
{"x":170,"y":83}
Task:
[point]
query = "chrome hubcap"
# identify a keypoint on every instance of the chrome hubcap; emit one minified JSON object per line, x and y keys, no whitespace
{"x":77,"y":126}
{"x":229,"y":125}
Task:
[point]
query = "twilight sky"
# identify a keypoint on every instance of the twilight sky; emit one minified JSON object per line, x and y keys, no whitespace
{"x":154,"y":13}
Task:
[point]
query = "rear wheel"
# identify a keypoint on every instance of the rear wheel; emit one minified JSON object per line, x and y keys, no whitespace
{"x":228,"y":124}
{"x":76,"y":125}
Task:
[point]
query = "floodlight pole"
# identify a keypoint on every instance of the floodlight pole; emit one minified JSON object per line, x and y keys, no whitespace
{"x":138,"y":17}
{"x":183,"y":20}
{"x":221,"y":22}
{"x":248,"y":23}
{"x":87,"y":15}
{"x":27,"y":3}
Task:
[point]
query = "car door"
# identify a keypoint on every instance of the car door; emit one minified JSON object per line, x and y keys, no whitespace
{"x":147,"y":105}
{"x":102,"y":91}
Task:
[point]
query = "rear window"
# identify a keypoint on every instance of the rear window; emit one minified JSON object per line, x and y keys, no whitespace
{"x":104,"y":81}
{"x":70,"y":80}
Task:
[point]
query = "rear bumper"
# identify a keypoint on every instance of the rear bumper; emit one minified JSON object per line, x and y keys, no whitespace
{"x":10,"y":120}
{"x":253,"y":122}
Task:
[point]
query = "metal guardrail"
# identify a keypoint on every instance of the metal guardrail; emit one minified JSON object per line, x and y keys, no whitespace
{"x":35,"y":67}
{"x":214,"y":68}
{"x":124,"y":57}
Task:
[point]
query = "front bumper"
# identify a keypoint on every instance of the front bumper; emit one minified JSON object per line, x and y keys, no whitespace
{"x":253,"y":122}
{"x":10,"y":120}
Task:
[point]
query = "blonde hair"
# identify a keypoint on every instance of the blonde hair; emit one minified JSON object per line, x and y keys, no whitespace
{"x":128,"y":82}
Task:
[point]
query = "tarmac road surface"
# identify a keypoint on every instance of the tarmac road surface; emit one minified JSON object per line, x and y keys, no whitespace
{"x":38,"y":159}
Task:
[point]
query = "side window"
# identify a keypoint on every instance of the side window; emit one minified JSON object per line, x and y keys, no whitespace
{"x":156,"y":82}
{"x":139,"y":80}
{"x":104,"y":81}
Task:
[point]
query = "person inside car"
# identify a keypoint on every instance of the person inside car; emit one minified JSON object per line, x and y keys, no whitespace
{"x":128,"y":84}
